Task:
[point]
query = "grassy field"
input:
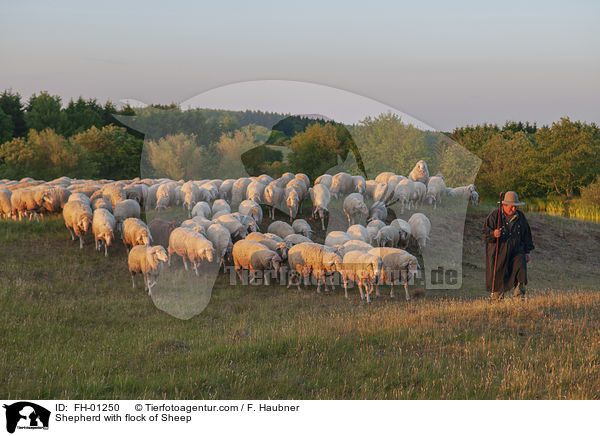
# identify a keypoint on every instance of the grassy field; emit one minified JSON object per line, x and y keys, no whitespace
{"x":72,"y":327}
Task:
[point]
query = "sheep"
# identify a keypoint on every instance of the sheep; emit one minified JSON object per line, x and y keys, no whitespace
{"x":165,"y":190}
{"x":292,"y":201}
{"x":202,"y":208}
{"x":384,"y":177}
{"x":205,"y":223}
{"x":78,"y":196}
{"x":285,"y":179}
{"x":231,"y":223}
{"x":383,"y":192}
{"x":265,"y":179}
{"x":301,"y":227}
{"x":404,"y":229}
{"x":135,"y":232}
{"x":304,"y":178}
{"x":403,"y":193}
{"x":256,"y":191}
{"x":273,"y":197}
{"x":300,"y":187}
{"x":101,"y":203}
{"x":436,"y":188}
{"x":191,"y":194}
{"x":254,"y":257}
{"x":320,"y":197}
{"x":219,"y":213}
{"x":78,"y":219}
{"x":113,"y":193}
{"x":420,"y":173}
{"x":191,"y":224}
{"x":316,"y":259}
{"x":341,"y":184}
{"x":220,"y":205}
{"x":420,"y":226}
{"x":362,"y":268}
{"x":220,"y":237}
{"x":5,"y":207}
{"x":358,"y":232}
{"x":355,"y":207}
{"x":388,"y":236}
{"x":160,"y":230}
{"x":126,"y":209}
{"x":238,"y":192}
{"x":419,"y":193}
{"x":251,"y":208}
{"x":280,"y":228}
{"x":61,"y":196}
{"x":356,"y":245}
{"x":103,"y":227}
{"x":147,"y":261}
{"x":398,"y":266}
{"x":190,"y":245}
{"x":296,"y":239}
{"x":247,"y":221}
{"x":359,"y":184}
{"x":225,"y":189}
{"x":373,"y":228}
{"x":278,"y":245}
{"x":324,"y":180}
{"x":378,"y":211}
{"x":208,"y":192}
{"x":24,"y":202}
{"x":336,"y":238}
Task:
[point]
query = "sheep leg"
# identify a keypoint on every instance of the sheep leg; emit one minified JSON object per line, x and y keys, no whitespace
{"x":70,"y":230}
{"x":105,"y":249}
{"x":346,"y":288}
{"x":406,"y":290}
{"x":196,"y":268}
{"x":362,"y":296}
{"x":81,"y":241}
{"x":185,"y":263}
{"x":368,"y":292}
{"x":323,"y":223}
{"x":133,"y":279}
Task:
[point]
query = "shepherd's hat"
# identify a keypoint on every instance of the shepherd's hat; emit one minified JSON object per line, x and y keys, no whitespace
{"x":511,"y":198}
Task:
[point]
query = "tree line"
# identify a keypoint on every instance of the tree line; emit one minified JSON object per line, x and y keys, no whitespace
{"x":45,"y":139}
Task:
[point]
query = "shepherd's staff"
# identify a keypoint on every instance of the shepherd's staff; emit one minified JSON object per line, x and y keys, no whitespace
{"x":497,"y":242}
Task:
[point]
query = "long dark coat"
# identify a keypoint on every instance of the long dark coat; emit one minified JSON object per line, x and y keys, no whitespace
{"x":515,"y":242}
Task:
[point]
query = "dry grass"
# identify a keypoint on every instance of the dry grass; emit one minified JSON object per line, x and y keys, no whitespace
{"x":72,"y":327}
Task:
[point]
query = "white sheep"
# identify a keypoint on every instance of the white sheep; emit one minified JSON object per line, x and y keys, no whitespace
{"x":404,"y":229}
{"x":324,"y":180}
{"x":364,"y":269}
{"x":195,"y":226}
{"x":403,"y":193}
{"x":356,"y":245}
{"x":358,"y":232}
{"x":251,"y":208}
{"x":273,"y":197}
{"x":226,"y":188}
{"x":285,"y":179}
{"x":190,"y":245}
{"x":300,"y":187}
{"x":336,"y":237}
{"x":311,"y":258}
{"x":25,"y":202}
{"x":359,"y":184}
{"x":419,"y":193}
{"x":436,"y":189}
{"x":220,"y":237}
{"x":126,"y":209}
{"x":101,"y":203}
{"x":420,"y":173}
{"x":341,"y":184}
{"x":280,"y":228}
{"x":231,"y":223}
{"x":254,"y":257}
{"x":399,"y":267}
{"x":304,"y":178}
{"x":373,"y":228}
{"x":256,"y":191}
{"x":202,"y":208}
{"x":278,"y":245}
{"x":296,"y":239}
{"x":301,"y":227}
{"x":247,"y":221}
{"x":238,"y":192}
{"x":378,"y":211}
{"x":384,"y":177}
{"x":135,"y":232}
{"x":320,"y":197}
{"x":420,"y":226}
{"x":383,"y":192}
{"x":103,"y":227}
{"x":388,"y":236}
{"x":5,"y":207}
{"x":220,"y":205}
{"x":78,"y":219}
{"x":355,"y":208}
{"x":147,"y":261}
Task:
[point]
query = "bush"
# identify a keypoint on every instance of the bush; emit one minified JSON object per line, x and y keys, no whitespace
{"x":591,"y":193}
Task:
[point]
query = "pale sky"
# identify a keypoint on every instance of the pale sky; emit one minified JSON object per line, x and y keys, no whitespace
{"x":447,"y":64}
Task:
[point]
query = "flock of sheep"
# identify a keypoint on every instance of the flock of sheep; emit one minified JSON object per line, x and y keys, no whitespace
{"x":366,"y":255}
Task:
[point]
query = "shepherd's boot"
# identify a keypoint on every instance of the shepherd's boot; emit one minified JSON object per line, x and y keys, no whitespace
{"x":519,"y":291}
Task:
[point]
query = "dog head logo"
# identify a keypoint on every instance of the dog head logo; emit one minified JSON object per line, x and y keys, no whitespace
{"x":26,"y":415}
{"x":379,"y":145}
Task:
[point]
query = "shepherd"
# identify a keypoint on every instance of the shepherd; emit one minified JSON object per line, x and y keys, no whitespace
{"x":508,"y":241}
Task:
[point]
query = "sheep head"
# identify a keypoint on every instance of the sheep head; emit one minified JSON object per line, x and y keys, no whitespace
{"x":159,"y":253}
